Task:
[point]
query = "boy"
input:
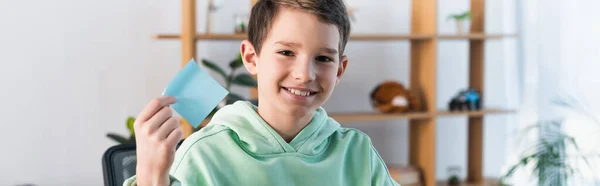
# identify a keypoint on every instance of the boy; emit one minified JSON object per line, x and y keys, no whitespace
{"x":295,"y":48}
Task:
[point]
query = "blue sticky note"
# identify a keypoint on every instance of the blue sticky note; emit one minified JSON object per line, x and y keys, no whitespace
{"x":197,"y":93}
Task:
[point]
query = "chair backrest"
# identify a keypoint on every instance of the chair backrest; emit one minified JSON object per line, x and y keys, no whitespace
{"x":118,"y":164}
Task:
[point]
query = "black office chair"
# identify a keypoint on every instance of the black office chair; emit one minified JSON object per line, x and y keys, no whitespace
{"x":119,"y":162}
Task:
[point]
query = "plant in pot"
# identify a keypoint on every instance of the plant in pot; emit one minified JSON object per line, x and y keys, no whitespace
{"x":124,"y":139}
{"x":461,"y":21}
{"x":453,"y":171}
{"x":231,"y":78}
{"x":552,"y":162}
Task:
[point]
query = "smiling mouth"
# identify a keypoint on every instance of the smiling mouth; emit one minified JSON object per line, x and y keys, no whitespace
{"x":298,"y":92}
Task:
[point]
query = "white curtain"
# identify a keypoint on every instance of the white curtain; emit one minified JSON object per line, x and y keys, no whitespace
{"x":560,"y":59}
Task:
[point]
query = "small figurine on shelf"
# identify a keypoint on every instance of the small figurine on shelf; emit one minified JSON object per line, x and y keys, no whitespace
{"x":465,"y":100}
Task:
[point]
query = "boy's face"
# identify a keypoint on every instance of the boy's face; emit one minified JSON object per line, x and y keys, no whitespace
{"x":299,"y":63}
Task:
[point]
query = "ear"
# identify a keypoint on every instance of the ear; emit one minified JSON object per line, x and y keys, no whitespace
{"x":341,"y":68}
{"x":249,"y":56}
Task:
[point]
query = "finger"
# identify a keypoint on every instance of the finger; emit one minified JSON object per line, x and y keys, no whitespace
{"x":167,"y":127}
{"x":175,"y":136}
{"x":159,"y":118}
{"x":154,"y":106}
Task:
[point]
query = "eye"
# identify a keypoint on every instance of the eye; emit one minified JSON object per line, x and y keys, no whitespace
{"x":324,"y":59}
{"x":286,"y":53}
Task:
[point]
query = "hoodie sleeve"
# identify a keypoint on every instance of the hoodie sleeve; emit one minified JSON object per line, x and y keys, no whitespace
{"x":379,"y":172}
{"x":133,"y":182}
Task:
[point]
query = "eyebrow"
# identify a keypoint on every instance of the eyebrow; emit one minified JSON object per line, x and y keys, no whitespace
{"x":330,"y":50}
{"x":292,"y":44}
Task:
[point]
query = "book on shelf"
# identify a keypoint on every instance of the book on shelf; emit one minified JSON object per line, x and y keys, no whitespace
{"x":405,"y":175}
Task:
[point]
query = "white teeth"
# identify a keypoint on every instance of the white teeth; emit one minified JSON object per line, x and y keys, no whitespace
{"x":298,"y":92}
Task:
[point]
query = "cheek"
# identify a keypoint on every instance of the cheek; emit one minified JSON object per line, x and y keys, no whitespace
{"x":328,"y":75}
{"x":271,"y":70}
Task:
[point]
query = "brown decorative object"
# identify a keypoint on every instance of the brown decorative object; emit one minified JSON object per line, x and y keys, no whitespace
{"x":392,"y":97}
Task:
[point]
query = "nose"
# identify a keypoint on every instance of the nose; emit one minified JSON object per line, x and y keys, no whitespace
{"x":303,"y":70}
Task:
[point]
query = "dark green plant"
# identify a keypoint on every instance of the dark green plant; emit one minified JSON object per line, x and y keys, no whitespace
{"x":552,"y":165}
{"x":231,"y":78}
{"x":548,"y":155}
{"x":453,"y":180}
{"x":453,"y":171}
{"x":462,"y":16}
{"x":122,"y":139}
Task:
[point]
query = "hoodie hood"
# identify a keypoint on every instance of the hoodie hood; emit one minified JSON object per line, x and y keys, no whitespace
{"x":259,"y":138}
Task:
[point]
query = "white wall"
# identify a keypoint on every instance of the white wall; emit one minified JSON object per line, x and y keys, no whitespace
{"x":71,"y":71}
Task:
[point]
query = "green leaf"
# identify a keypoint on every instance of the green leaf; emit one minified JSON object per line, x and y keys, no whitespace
{"x":214,"y":67}
{"x":464,"y":15}
{"x":131,"y":139}
{"x":232,"y":98}
{"x":239,"y":56}
{"x":118,"y":138}
{"x":244,"y":80}
{"x":451,"y":16}
{"x":236,"y":63}
{"x":130,"y":122}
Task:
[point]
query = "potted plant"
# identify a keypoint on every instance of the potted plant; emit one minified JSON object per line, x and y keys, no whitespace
{"x":552,"y":164}
{"x":232,"y":78}
{"x":461,"y":20}
{"x":453,"y":171}
{"x":123,"y":139}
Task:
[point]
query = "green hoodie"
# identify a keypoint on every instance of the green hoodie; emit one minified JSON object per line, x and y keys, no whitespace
{"x":238,"y":147}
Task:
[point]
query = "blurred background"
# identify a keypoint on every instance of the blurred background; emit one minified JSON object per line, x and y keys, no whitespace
{"x":72,"y":71}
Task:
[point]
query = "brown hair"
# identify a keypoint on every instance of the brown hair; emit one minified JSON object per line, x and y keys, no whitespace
{"x":328,"y":11}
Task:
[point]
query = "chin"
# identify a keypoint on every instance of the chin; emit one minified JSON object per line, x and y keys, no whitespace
{"x":293,"y":109}
{"x":300,"y":111}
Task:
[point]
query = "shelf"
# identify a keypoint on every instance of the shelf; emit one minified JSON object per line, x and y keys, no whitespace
{"x":356,"y":37}
{"x":486,"y":182}
{"x":205,"y":36}
{"x":375,"y":116}
{"x":365,"y":37}
{"x":474,"y":113}
{"x":476,"y":36}
{"x":388,"y":37}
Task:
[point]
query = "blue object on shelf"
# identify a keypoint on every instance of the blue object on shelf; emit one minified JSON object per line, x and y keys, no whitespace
{"x":465,"y":100}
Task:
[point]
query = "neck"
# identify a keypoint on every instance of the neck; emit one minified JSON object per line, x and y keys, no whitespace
{"x":287,"y":125}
